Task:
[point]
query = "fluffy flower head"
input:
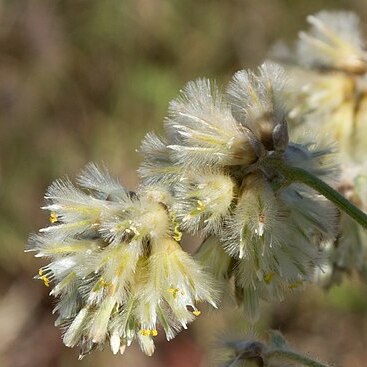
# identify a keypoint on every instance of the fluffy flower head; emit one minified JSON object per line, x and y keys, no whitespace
{"x":117,"y":267}
{"x":334,"y":42}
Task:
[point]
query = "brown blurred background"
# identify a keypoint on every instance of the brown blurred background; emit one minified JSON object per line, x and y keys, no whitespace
{"x":84,"y":80}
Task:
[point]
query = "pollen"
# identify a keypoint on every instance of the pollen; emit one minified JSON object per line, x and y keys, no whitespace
{"x":177,"y":234}
{"x":104,"y":283}
{"x":101,"y":283}
{"x":53,"y":217}
{"x":174,"y":292}
{"x":196,"y":312}
{"x":201,"y":206}
{"x":268,"y":278}
{"x":145,"y":332}
{"x":149,"y":332}
{"x":295,"y":284}
{"x":44,"y":278}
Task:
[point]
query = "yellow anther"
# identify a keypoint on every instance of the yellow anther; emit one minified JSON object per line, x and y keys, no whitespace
{"x":53,"y":217}
{"x":149,"y":332}
{"x":197,"y":211}
{"x":174,"y":292}
{"x":196,"y":312}
{"x":295,"y":284}
{"x":177,"y":234}
{"x":44,"y":278}
{"x":104,"y":283}
{"x":101,"y":284}
{"x":200,"y":206}
{"x":268,"y":277}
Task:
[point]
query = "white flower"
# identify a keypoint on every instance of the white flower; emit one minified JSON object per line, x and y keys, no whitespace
{"x":204,"y":201}
{"x":158,"y":166}
{"x":202,"y":130}
{"x":329,"y":98}
{"x":116,"y":266}
{"x":116,"y":263}
{"x":334,"y":41}
{"x":257,"y":102}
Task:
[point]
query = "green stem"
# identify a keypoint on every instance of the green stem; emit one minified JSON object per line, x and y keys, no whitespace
{"x":295,"y":174}
{"x":293,"y":357}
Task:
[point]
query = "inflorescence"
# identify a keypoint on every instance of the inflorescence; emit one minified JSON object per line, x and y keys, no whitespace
{"x":116,"y":262}
{"x":329,"y":97}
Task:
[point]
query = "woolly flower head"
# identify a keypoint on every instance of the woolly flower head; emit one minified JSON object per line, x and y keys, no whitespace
{"x":256,"y":101}
{"x":202,"y":130}
{"x":117,"y":267}
{"x":203,"y":202}
{"x":207,"y":130}
{"x":333,"y":42}
{"x":329,"y":85}
{"x":329,"y":97}
{"x":216,"y":158}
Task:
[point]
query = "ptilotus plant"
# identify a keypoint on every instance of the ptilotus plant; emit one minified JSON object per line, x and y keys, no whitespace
{"x":226,"y":169}
{"x":329,"y":96}
{"x":220,"y":160}
{"x":117,"y":266}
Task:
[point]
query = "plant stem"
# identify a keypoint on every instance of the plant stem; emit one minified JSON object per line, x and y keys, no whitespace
{"x":295,"y":174}
{"x":293,"y":357}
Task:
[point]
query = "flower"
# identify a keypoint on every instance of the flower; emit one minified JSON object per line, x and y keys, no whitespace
{"x":117,"y":267}
{"x":334,"y":42}
{"x":221,"y":171}
{"x":224,"y":189}
{"x":329,"y":81}
{"x":202,"y":131}
{"x":329,"y":97}
{"x":203,"y":202}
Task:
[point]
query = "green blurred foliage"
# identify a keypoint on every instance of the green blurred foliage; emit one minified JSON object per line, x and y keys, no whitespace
{"x":84,"y":80}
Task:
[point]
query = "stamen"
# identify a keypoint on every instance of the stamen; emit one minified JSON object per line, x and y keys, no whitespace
{"x":149,"y":332}
{"x":104,"y":283}
{"x":268,"y":277}
{"x":295,"y":284}
{"x":177,"y":234}
{"x":53,"y":217}
{"x":44,"y":278}
{"x":196,"y":312}
{"x":174,"y":292}
{"x":200,"y":206}
{"x":145,"y":332}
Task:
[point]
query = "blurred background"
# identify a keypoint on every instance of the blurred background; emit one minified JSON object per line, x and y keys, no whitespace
{"x":84,"y":80}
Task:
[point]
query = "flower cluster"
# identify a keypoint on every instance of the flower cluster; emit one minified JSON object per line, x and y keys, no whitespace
{"x":116,"y":266}
{"x":330,"y":83}
{"x":334,"y":42}
{"x":220,"y":171}
{"x":260,"y":231}
{"x":329,"y":97}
